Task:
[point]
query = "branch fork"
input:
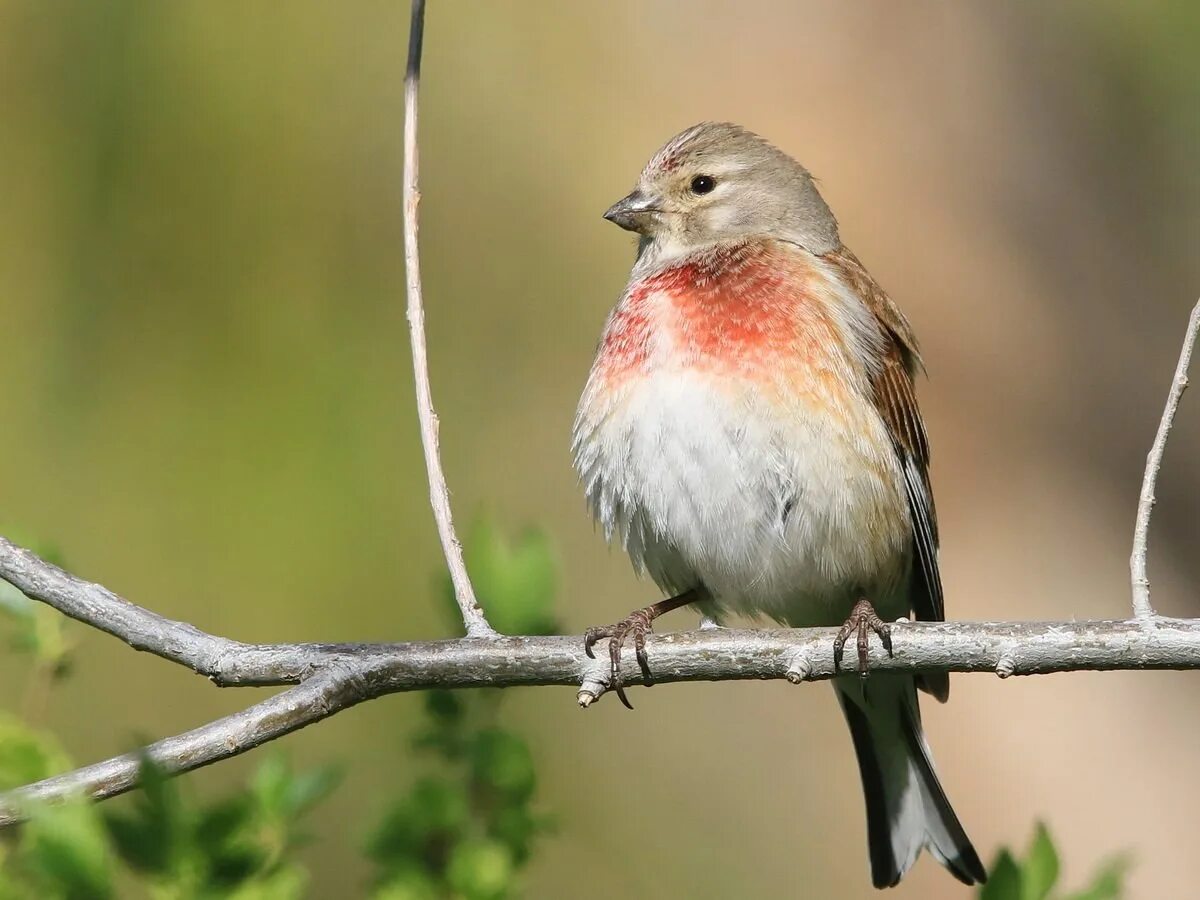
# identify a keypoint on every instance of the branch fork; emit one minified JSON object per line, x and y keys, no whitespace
{"x":1141,"y":529}
{"x":323,"y":679}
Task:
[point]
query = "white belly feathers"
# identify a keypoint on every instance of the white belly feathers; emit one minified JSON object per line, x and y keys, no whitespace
{"x":787,"y":512}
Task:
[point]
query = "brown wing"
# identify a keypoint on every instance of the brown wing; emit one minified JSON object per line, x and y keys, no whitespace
{"x":896,"y":401}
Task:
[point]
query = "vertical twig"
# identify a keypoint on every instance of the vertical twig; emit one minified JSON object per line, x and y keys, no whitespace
{"x":439,"y":497}
{"x":1137,"y":560}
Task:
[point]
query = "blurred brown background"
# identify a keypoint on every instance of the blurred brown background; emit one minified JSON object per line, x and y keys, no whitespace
{"x":206,"y":386}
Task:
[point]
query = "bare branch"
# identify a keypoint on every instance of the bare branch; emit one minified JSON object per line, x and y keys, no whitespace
{"x":711,"y":654}
{"x":796,"y":655}
{"x":333,"y":677}
{"x":1137,"y":560}
{"x":99,"y":607}
{"x":474,"y":620}
{"x":322,"y":695}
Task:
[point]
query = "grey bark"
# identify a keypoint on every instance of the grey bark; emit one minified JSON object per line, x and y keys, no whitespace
{"x":327,"y":678}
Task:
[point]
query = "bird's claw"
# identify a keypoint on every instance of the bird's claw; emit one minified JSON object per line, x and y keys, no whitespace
{"x":862,"y":621}
{"x":637,"y":624}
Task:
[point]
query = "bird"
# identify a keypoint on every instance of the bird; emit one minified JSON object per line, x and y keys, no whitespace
{"x":749,"y":432}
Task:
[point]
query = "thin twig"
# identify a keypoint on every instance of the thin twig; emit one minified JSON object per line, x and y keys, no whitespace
{"x":1141,"y":529}
{"x":474,"y":620}
{"x":331,"y":691}
{"x":100,"y":608}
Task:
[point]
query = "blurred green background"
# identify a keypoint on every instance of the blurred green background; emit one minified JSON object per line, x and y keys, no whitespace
{"x":206,"y":388}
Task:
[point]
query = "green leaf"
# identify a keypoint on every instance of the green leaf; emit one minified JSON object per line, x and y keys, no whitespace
{"x":27,"y":755}
{"x":307,"y":789}
{"x":67,"y":847}
{"x":480,"y":870}
{"x":139,"y":849}
{"x":440,"y":806}
{"x":13,"y":886}
{"x":408,"y":882}
{"x":515,"y":584}
{"x":1040,"y":870}
{"x":10,"y":887}
{"x":516,"y":827}
{"x":226,"y":840}
{"x":38,"y":629}
{"x":271,"y":784}
{"x":48,"y":638}
{"x":242,"y":839}
{"x":163,"y":805}
{"x":224,"y":818}
{"x":444,"y":707}
{"x":445,"y":734}
{"x":1109,"y":882}
{"x":502,"y":760}
{"x":285,"y":883}
{"x":1004,"y":879}
{"x":435,"y":813}
{"x":157,"y":835}
{"x":14,"y":604}
{"x":12,"y":601}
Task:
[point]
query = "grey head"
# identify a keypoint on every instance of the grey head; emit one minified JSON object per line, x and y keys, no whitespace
{"x":716,"y":182}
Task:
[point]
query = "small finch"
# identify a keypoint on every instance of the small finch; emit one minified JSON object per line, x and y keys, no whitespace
{"x":750,"y":431}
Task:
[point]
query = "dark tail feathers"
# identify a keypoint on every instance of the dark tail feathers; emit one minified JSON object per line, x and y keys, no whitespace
{"x":907,"y":809}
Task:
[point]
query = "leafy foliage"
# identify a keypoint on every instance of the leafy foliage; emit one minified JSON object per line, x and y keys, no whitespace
{"x":63,"y":852}
{"x":515,"y":582}
{"x":239,"y":843}
{"x":35,"y":628}
{"x":170,"y":844}
{"x":1035,"y":877}
{"x":463,"y":830}
{"x":27,"y":754}
{"x":468,"y":829}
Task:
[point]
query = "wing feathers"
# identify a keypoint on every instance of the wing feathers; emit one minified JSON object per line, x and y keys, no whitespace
{"x":896,"y":401}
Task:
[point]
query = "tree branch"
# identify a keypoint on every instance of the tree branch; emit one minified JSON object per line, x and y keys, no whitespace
{"x":474,"y":620}
{"x":328,"y":692}
{"x":1141,"y":529}
{"x":333,"y":677}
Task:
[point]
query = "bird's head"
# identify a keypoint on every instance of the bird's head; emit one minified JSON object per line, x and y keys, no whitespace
{"x":717,"y":182}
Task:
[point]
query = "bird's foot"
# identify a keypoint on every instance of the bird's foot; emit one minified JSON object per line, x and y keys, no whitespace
{"x":637,"y":624}
{"x":862,"y":621}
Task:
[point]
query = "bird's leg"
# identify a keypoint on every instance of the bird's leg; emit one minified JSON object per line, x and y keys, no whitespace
{"x":862,"y":621}
{"x":638,"y":624}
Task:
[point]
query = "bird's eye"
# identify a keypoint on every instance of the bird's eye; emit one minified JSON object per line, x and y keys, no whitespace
{"x":703,"y":184}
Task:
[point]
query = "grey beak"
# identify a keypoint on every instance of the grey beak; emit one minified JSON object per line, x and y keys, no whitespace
{"x":633,"y":212}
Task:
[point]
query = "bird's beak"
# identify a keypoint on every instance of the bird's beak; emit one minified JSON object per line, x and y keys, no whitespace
{"x":633,"y":213}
